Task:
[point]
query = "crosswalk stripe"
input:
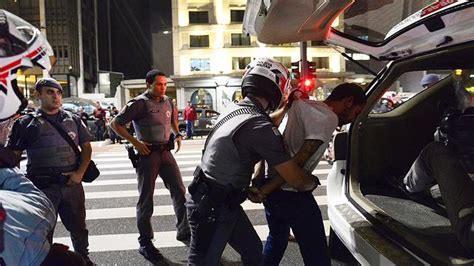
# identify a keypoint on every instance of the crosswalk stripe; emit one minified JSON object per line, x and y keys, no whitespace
{"x":163,"y":210}
{"x":124,"y":153}
{"x":134,"y":193}
{"x":115,"y":182}
{"x":132,"y":171}
{"x":167,"y":239}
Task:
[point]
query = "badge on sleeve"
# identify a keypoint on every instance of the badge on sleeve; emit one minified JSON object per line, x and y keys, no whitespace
{"x":276,"y":131}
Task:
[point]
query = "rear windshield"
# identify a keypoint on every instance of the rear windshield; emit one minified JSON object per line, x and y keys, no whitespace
{"x":372,"y":20}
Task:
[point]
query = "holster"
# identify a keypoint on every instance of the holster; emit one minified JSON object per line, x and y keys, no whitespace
{"x":132,"y":155}
{"x":210,"y":197}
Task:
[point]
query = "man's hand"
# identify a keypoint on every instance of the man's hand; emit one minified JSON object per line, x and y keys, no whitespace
{"x":255,"y":195}
{"x":178,"y":140}
{"x":295,"y":95}
{"x":142,"y":147}
{"x":75,"y":178}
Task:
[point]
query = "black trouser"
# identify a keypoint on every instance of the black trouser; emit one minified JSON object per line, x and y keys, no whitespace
{"x":216,"y":218}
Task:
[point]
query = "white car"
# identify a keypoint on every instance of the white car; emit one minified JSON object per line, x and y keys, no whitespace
{"x":415,"y":37}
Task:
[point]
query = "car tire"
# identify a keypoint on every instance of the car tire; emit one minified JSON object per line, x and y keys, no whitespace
{"x":340,"y":255}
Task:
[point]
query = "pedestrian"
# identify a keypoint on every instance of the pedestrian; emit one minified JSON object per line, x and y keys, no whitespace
{"x":113,"y":136}
{"x":243,"y":135}
{"x":52,"y":165}
{"x":83,"y":115}
{"x":190,"y":116}
{"x":307,"y":132}
{"x":154,"y":117}
{"x":100,"y":115}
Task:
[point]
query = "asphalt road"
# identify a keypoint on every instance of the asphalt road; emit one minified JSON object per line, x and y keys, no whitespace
{"x":111,"y":200}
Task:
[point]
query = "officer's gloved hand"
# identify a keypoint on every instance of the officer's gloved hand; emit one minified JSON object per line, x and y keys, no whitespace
{"x":255,"y":195}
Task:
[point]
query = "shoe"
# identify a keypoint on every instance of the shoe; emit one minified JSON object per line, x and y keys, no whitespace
{"x":396,"y":182}
{"x":184,"y":237}
{"x":151,"y":253}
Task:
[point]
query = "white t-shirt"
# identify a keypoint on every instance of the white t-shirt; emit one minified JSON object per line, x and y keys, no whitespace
{"x":307,"y":119}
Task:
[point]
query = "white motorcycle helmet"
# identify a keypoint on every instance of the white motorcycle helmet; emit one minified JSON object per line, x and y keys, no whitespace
{"x":268,"y":78}
{"x":22,"y":46}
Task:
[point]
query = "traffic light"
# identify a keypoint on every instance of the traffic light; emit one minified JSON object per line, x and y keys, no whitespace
{"x":309,"y":79}
{"x":295,"y":70}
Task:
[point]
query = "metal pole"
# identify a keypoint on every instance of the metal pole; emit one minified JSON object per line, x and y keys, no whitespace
{"x":304,"y":61}
{"x":42,"y":15}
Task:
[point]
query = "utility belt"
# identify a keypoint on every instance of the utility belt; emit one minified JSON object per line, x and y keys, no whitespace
{"x":161,"y":147}
{"x":42,"y":181}
{"x":220,"y":195}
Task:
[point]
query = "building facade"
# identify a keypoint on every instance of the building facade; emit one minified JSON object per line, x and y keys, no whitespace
{"x":71,"y":30}
{"x":210,"y":53}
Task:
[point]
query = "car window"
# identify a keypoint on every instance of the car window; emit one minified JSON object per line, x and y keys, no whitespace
{"x":405,"y":87}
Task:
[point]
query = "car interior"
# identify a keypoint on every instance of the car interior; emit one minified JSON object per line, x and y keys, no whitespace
{"x":386,"y":144}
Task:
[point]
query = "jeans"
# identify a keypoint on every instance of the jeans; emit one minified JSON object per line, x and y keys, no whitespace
{"x":164,"y":164}
{"x":233,"y":227}
{"x":300,"y":212}
{"x":438,"y":163}
{"x":189,"y":128}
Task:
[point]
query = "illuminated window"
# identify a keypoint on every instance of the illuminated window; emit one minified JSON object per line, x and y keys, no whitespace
{"x":199,"y":41}
{"x":240,"y":39}
{"x":200,"y":64}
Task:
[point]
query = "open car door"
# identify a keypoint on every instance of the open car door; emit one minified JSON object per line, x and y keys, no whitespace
{"x":384,"y":29}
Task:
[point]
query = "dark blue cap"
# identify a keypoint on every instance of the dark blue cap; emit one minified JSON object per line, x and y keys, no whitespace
{"x":48,"y":82}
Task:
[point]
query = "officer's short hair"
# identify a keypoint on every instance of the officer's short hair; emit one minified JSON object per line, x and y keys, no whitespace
{"x":345,"y":90}
{"x":150,"y":76}
{"x":48,"y":82}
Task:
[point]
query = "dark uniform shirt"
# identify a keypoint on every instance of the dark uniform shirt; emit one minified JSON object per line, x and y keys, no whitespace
{"x":24,"y":132}
{"x":259,"y":139}
{"x":135,"y":110}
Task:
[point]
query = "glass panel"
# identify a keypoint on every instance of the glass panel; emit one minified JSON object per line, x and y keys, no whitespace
{"x":239,"y":39}
{"x":407,"y":85}
{"x":200,"y":64}
{"x":372,"y":20}
{"x":198,"y":17}
{"x":237,"y":16}
{"x":239,"y":63}
{"x":199,"y":41}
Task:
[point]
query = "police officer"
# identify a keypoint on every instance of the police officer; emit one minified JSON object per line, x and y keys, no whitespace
{"x":243,"y":135}
{"x":154,"y":116}
{"x":53,"y":166}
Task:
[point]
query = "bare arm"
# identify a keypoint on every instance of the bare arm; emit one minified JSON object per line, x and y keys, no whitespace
{"x":278,"y":115}
{"x":308,"y":148}
{"x":142,"y":147}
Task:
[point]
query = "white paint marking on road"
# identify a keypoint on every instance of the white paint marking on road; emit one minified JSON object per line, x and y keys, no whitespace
{"x":167,"y":239}
{"x":117,"y":182}
{"x":163,"y":210}
{"x":132,"y":171}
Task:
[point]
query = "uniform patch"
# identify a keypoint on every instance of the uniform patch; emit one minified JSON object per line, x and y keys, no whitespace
{"x":72,"y":135}
{"x":168,"y":114}
{"x":276,"y":131}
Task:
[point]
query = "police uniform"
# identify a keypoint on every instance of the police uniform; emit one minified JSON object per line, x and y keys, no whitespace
{"x":50,"y":155}
{"x":214,"y":212}
{"x":152,"y":120}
